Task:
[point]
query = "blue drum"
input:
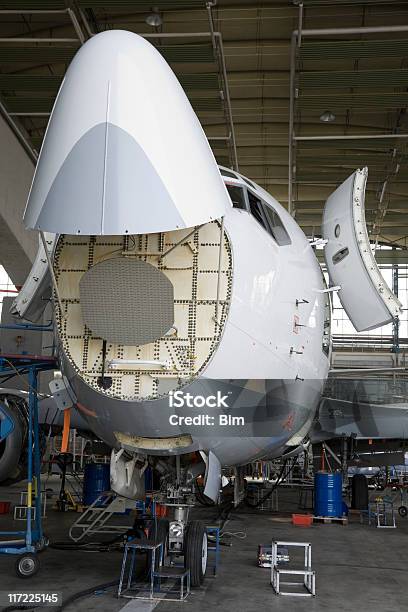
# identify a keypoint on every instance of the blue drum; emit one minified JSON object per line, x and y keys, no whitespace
{"x":96,"y":481}
{"x":328,"y":499}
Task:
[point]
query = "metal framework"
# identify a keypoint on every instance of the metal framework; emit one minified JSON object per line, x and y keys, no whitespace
{"x":296,"y":42}
{"x":20,"y":107}
{"x":17,"y":130}
{"x":238,"y":77}
{"x":345,"y":49}
{"x":31,"y":539}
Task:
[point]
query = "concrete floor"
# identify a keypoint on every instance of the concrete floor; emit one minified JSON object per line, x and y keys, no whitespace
{"x":357,"y":567}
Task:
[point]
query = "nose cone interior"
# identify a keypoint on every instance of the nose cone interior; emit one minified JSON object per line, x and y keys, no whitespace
{"x":126,"y":301}
{"x":147,"y":311}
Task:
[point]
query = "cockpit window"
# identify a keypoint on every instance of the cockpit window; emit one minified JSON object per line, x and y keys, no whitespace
{"x":278,"y":231}
{"x":269,"y":219}
{"x":255,"y":206}
{"x":248,"y":182}
{"x":237,"y":196}
{"x":228,"y":173}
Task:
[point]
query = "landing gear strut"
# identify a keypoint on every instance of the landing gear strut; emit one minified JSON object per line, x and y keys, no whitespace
{"x":188,"y":538}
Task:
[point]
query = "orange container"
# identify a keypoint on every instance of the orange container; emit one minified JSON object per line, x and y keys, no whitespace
{"x":161,"y":511}
{"x":302,"y":520}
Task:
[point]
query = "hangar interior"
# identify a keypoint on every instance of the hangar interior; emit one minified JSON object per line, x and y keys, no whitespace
{"x":294,"y":96}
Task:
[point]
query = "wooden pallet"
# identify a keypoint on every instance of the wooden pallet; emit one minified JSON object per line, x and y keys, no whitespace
{"x":331,"y":519}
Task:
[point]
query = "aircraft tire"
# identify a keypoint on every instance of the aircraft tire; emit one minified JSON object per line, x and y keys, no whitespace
{"x":195,"y":552}
{"x":359,"y":489}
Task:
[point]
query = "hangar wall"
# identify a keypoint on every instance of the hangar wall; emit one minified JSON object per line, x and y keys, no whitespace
{"x":17,"y":246}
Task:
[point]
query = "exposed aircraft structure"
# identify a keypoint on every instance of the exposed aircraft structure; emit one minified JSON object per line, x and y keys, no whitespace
{"x":363,"y":407}
{"x":180,"y":289}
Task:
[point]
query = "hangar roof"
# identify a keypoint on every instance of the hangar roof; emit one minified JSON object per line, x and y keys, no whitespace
{"x":258,"y":87}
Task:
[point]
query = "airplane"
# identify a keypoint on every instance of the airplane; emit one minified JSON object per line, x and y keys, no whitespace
{"x":191,"y":315}
{"x":363,"y":406}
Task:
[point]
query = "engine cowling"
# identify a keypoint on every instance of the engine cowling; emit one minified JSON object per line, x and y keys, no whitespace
{"x":13,"y":453}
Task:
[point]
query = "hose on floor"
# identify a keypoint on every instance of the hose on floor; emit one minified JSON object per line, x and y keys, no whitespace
{"x":109,"y":546}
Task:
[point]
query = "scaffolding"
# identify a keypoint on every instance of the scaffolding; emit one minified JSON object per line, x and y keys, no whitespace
{"x":26,"y":543}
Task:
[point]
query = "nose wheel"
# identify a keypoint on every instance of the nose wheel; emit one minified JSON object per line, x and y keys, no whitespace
{"x":196,"y":552}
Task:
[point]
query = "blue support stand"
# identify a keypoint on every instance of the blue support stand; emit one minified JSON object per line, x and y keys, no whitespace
{"x":214,"y":548}
{"x":27,"y":543}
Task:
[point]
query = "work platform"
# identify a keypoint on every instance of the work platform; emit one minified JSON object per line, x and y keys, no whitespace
{"x":25,"y":544}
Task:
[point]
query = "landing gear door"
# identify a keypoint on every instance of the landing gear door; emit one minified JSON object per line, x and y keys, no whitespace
{"x":212,"y":476}
{"x":364,"y":294}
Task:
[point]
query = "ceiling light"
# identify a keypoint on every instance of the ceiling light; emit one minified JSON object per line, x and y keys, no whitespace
{"x":154,"y":19}
{"x":327,"y":116}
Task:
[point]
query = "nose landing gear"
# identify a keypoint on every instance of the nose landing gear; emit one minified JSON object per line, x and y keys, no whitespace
{"x":188,"y":539}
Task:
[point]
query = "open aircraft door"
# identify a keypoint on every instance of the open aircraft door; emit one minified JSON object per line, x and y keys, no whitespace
{"x":363,"y":292}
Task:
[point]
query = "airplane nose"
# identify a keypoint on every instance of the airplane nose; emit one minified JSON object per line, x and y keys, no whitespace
{"x":124,"y":152}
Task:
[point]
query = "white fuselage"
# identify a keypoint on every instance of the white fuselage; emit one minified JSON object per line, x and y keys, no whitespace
{"x":272,"y":348}
{"x":127,"y":180}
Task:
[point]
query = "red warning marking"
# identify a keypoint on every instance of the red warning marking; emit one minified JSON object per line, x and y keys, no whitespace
{"x":288,"y":424}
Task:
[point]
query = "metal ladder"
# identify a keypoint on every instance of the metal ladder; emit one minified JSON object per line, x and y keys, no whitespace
{"x":95,"y":518}
{"x":74,"y":486}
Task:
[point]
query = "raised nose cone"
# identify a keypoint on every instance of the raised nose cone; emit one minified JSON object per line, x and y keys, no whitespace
{"x":124,"y":151}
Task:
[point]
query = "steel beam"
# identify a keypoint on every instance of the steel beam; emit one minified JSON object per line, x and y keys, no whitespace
{"x":216,"y":39}
{"x":296,"y":34}
{"x":18,"y":134}
{"x":18,"y":39}
{"x":28,"y":114}
{"x":351,"y":137}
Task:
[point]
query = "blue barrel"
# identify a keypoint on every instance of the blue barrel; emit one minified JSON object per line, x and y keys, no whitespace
{"x":328,"y":494}
{"x":96,"y":481}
